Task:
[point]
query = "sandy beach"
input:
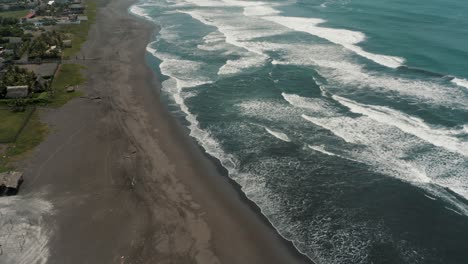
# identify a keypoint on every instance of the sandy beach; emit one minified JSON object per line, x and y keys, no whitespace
{"x":118,"y":180}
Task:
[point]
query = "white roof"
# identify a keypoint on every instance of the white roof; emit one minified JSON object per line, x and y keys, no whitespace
{"x":51,"y":2}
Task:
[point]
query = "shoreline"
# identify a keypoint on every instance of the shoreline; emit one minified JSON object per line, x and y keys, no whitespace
{"x":122,"y":179}
{"x":218,"y":167}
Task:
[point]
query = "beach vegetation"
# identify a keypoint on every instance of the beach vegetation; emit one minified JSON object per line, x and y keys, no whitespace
{"x":31,"y":135}
{"x":11,"y":123}
{"x":41,"y":47}
{"x":14,"y":14}
{"x":68,"y":75}
{"x":16,"y":76}
{"x":79,"y":33}
{"x":10,"y":27}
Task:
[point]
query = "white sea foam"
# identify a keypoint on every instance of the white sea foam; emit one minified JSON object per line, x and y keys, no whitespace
{"x":384,"y":147}
{"x":395,"y":153}
{"x":150,"y":49}
{"x":460,"y":82}
{"x":334,"y":63}
{"x":215,"y":41}
{"x":237,"y":66}
{"x":169,"y":34}
{"x":315,"y":104}
{"x":321,"y":149}
{"x":430,"y":197}
{"x":185,"y":74}
{"x":409,"y":124}
{"x":335,"y":66}
{"x":24,"y":236}
{"x":455,"y":211}
{"x":239,"y":34}
{"x":362,"y":131}
{"x":345,"y":38}
{"x":260,"y":10}
{"x":279,"y":135}
{"x":387,"y":149}
{"x":207,"y":3}
{"x":233,"y":27}
{"x":140,"y":11}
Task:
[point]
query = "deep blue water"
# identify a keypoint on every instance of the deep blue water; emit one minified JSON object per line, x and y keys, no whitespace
{"x":345,"y":121}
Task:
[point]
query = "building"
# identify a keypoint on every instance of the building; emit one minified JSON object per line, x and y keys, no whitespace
{"x":20,"y":91}
{"x":67,"y":43}
{"x":40,"y":84}
{"x":10,"y":182}
{"x":76,"y":8}
{"x":82,"y":18}
{"x":30,"y":15}
{"x":14,"y":40}
{"x":45,"y":70}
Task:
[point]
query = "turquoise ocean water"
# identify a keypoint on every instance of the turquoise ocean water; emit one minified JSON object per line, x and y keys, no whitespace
{"x":345,"y":121}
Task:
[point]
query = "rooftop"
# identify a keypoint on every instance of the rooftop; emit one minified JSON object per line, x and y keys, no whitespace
{"x":45,"y":70}
{"x":11,"y":179}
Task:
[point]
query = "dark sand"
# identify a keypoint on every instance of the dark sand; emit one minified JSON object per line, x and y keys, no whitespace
{"x":126,"y":183}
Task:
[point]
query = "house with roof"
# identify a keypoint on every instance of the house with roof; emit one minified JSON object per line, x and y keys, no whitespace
{"x":15,"y":92}
{"x":76,"y":8}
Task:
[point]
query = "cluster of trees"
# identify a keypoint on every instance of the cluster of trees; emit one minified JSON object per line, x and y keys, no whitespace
{"x":39,"y":47}
{"x":52,"y":10}
{"x":15,"y":76}
{"x":4,"y":21}
{"x":9,"y":27}
{"x":16,"y":5}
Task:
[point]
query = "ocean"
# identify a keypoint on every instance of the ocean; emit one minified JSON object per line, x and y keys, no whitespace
{"x":345,"y":121}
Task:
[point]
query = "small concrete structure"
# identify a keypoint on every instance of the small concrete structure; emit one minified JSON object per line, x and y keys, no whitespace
{"x":67,"y":43}
{"x":10,"y":182}
{"x":17,"y":91}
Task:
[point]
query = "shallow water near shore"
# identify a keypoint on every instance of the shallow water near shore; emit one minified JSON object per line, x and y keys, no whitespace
{"x":346,"y":122}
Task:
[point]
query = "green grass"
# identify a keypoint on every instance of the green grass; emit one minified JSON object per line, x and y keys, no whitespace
{"x":17,"y":14}
{"x":35,"y":131}
{"x":67,"y":75}
{"x":32,"y":134}
{"x":80,"y":32}
{"x":11,"y":124}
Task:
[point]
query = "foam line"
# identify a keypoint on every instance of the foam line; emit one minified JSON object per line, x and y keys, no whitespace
{"x":450,"y":209}
{"x":314,"y":104}
{"x":321,"y":149}
{"x":409,"y":124}
{"x":235,"y":36}
{"x":260,"y":10}
{"x":391,"y":151}
{"x":334,"y":65}
{"x":460,"y":82}
{"x":430,"y":197}
{"x":278,"y":135}
{"x":345,"y":38}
